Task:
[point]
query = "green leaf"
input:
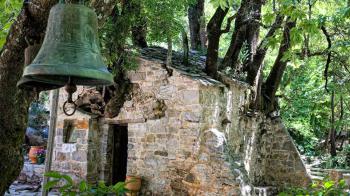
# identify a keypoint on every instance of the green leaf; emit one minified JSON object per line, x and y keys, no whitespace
{"x":68,"y":179}
{"x":328,"y":184}
{"x":64,"y":188}
{"x":53,"y":175}
{"x":102,"y":184}
{"x":119,"y":187}
{"x":342,"y":183}
{"x":296,"y":36}
{"x":51,"y":184}
{"x":83,"y":186}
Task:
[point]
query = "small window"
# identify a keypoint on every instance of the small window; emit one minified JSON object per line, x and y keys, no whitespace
{"x":69,"y":133}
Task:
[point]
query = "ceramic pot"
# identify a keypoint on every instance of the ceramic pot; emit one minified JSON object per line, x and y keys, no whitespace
{"x":32,"y":153}
{"x":133,"y":184}
{"x":192,"y":188}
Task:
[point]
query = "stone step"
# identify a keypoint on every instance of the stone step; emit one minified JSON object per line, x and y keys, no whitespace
{"x":316,"y":178}
{"x":265,"y":191}
{"x":317,"y":173}
{"x":344,"y":171}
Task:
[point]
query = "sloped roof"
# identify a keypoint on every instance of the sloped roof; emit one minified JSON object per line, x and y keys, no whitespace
{"x":195,"y":68}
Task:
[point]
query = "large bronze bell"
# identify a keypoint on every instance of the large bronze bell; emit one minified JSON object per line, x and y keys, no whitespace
{"x":70,"y":52}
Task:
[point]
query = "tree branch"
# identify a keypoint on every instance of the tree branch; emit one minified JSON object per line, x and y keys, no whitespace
{"x":228,"y":24}
{"x":329,"y":55}
{"x":259,"y":56}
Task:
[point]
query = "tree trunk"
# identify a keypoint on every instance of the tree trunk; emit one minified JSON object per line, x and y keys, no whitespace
{"x":185,"y":48}
{"x":214,"y":33}
{"x":238,"y":36}
{"x":333,"y":149}
{"x":272,"y":82}
{"x":255,"y":65}
{"x":253,"y":28}
{"x":169,"y":55}
{"x":14,"y":103}
{"x":195,"y":15}
{"x":139,"y":30}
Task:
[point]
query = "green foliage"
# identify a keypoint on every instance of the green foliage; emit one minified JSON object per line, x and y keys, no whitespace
{"x":38,"y":113}
{"x":324,"y":188}
{"x":165,"y":19}
{"x":66,"y":186}
{"x":341,"y":161}
{"x":9,"y":10}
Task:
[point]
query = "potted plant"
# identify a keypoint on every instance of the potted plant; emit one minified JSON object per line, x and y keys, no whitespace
{"x":132,"y":184}
{"x":32,"y":153}
{"x":40,"y":156}
{"x":192,"y":184}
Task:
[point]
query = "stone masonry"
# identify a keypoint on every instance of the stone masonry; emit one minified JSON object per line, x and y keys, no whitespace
{"x":184,"y":126}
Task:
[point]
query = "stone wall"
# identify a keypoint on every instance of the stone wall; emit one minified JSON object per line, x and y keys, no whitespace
{"x":185,"y":127}
{"x":262,"y":146}
{"x":77,"y":157}
{"x":31,"y":173}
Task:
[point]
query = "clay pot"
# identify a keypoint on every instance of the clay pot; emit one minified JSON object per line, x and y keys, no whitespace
{"x":32,"y":153}
{"x":192,"y":188}
{"x":133,"y":184}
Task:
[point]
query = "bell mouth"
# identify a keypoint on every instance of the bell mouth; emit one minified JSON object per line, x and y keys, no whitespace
{"x":60,"y":74}
{"x":29,"y":83}
{"x":56,"y":76}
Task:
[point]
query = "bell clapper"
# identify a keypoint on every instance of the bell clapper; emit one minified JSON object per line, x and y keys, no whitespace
{"x":70,"y":89}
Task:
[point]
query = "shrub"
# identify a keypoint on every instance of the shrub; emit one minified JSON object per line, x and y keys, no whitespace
{"x":322,"y":188}
{"x":83,"y":188}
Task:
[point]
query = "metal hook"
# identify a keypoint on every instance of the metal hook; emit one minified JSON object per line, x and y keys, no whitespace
{"x":70,"y":89}
{"x":65,"y":109}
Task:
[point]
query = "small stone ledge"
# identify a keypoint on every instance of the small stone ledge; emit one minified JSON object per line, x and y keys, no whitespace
{"x":124,"y":121}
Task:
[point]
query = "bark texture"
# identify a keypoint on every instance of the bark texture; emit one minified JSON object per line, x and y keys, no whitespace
{"x":14,"y":103}
{"x":139,"y":30}
{"x":214,"y":33}
{"x":195,"y":14}
{"x":238,"y":36}
{"x":272,"y":82}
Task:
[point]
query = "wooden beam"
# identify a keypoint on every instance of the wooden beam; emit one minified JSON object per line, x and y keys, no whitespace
{"x":52,"y":132}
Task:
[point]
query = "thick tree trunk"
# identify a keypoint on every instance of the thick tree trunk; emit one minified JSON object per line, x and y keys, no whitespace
{"x":253,"y":28}
{"x":195,"y":15}
{"x":238,"y":36}
{"x":139,"y":30}
{"x":14,"y":103}
{"x":139,"y":34}
{"x":272,"y":82}
{"x":214,"y":33}
{"x":254,"y":66}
